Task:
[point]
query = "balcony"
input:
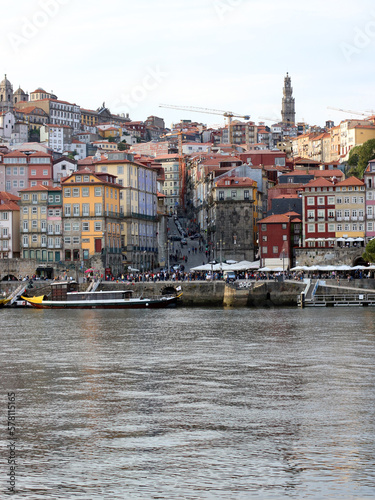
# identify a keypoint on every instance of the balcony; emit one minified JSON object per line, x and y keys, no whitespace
{"x":339,"y":219}
{"x":354,"y":217}
{"x":370,"y":216}
{"x":361,"y":218}
{"x":346,"y":218}
{"x":43,"y":245}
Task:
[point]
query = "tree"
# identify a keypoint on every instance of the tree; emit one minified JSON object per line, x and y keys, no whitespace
{"x":122,"y":146}
{"x":359,"y":157}
{"x":369,"y":253}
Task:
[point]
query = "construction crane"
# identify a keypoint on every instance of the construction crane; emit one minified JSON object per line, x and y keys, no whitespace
{"x":227,"y":114}
{"x":366,"y":113}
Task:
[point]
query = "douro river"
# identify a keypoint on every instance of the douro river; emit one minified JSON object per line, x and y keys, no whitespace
{"x":188,"y":403}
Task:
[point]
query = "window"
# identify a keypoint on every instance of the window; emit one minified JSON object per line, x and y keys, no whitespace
{"x":86,"y":178}
{"x":25,"y":241}
{"x":98,"y":191}
{"x":67,"y":240}
{"x":33,"y":172}
{"x":78,"y":178}
{"x":311,"y":228}
{"x":67,"y":226}
{"x":75,"y":192}
{"x":339,"y":200}
{"x":43,"y":210}
{"x":346,"y":199}
{"x":246,"y":194}
{"x":25,"y":210}
{"x":85,"y":226}
{"x":264,"y":250}
{"x":339,"y":227}
{"x":320,"y":200}
{"x":354,"y":199}
{"x":97,"y":226}
{"x":76,"y":210}
{"x":331,"y":228}
{"x":331,"y":200}
{"x":34,"y":198}
{"x":75,"y":226}
{"x":264,"y":227}
{"x":310,"y":200}
{"x":34,"y":238}
{"x":75,"y":240}
{"x":275,"y":249}
{"x":85,"y":191}
{"x":311,"y":214}
{"x":85,"y":209}
{"x":34,"y":224}
{"x":321,"y":228}
{"x":98,"y":209}
{"x":285,"y":237}
{"x":45,"y":172}
{"x":369,"y":226}
{"x":67,"y":210}
{"x":264,"y":238}
{"x":67,"y":192}
{"x":26,"y":225}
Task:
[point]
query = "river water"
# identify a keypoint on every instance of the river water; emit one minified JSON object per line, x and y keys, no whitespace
{"x":190,"y":403}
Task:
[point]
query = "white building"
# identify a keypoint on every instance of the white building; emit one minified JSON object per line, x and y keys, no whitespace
{"x":57,"y":137}
{"x":65,"y":113}
{"x":63,"y":167}
{"x":7,"y":121}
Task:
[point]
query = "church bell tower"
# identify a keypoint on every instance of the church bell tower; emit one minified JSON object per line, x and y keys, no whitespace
{"x":288,"y":114}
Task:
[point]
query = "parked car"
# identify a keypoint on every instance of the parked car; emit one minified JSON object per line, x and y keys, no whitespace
{"x":175,"y":237}
{"x":183,"y":241}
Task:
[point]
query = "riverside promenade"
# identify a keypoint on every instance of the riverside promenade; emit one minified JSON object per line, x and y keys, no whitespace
{"x":242,"y":293}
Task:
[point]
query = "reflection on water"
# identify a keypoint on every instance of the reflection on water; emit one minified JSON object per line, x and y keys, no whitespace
{"x":192,"y":404}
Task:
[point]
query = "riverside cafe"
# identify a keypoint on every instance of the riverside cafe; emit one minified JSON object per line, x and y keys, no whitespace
{"x":230,"y":265}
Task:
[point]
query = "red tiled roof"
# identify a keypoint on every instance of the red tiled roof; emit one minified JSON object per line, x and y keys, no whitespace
{"x":351,"y":181}
{"x":319,"y":183}
{"x":9,"y":205}
{"x":279,"y":218}
{"x":235,"y":181}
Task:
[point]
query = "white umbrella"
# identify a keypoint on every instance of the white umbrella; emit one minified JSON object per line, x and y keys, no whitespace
{"x":265,"y":269}
{"x":231,"y":262}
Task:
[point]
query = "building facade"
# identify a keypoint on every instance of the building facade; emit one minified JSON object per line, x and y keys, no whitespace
{"x":92,"y":219}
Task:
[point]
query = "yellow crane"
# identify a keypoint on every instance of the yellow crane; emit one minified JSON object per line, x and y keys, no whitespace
{"x":227,"y":114}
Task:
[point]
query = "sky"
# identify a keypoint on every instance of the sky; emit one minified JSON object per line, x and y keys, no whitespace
{"x":228,"y":55}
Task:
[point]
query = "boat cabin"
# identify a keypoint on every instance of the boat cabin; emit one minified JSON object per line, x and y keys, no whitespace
{"x":60,"y":289}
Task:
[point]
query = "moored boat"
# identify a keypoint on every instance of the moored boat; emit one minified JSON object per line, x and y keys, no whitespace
{"x":66,"y":296}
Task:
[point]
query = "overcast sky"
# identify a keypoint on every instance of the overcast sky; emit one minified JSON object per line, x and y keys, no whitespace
{"x":229,"y":55}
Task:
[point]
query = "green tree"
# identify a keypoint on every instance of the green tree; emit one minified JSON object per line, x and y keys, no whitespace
{"x":369,"y":253}
{"x":122,"y":146}
{"x":359,"y":157}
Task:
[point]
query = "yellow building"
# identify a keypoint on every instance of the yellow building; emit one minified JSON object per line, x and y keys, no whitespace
{"x":138,"y":206}
{"x":350,"y":209}
{"x":92,"y":219}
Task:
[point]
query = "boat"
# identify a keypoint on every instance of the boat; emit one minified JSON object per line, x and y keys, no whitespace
{"x":4,"y":301}
{"x":65,"y":295}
